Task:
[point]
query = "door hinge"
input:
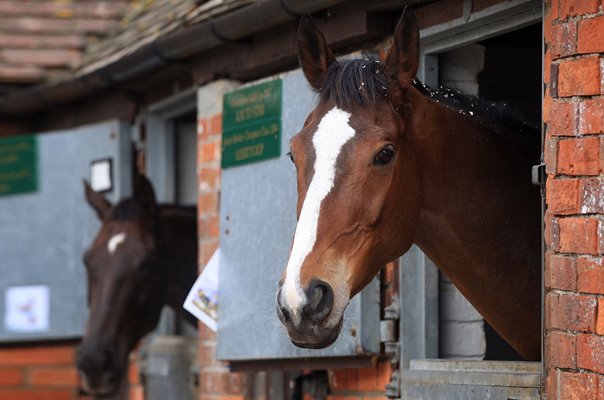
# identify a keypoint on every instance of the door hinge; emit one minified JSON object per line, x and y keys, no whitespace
{"x":389,"y":336}
{"x":389,"y":325}
{"x":393,"y":388}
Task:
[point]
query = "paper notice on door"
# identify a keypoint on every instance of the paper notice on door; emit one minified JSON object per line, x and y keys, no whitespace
{"x":202,"y":300}
{"x":26,"y":308}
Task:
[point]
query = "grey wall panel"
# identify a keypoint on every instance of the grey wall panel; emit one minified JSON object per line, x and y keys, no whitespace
{"x":43,"y":235}
{"x":257,"y":221}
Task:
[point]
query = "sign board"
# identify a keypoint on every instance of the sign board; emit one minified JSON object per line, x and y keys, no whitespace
{"x":251,"y":124}
{"x":18,"y":165}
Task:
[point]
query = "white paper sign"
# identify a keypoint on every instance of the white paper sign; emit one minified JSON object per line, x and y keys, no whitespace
{"x":26,"y":308}
{"x":202,"y":300}
{"x":100,"y":175}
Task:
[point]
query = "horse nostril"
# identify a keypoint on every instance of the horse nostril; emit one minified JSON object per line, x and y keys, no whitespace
{"x":285,"y":314}
{"x":282,"y":309}
{"x":94,"y":360}
{"x":320,"y":300}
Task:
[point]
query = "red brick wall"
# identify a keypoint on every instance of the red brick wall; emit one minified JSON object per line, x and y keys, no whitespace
{"x":47,"y":371}
{"x":574,"y":152}
{"x":359,"y":383}
{"x":38,"y":372}
{"x":215,"y":381}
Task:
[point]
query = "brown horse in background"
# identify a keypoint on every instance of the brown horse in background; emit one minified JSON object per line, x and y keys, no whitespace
{"x":384,"y":162}
{"x":143,"y":257}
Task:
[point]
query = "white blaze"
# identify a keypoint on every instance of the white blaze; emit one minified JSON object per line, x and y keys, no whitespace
{"x":332,"y":133}
{"x":115,"y":241}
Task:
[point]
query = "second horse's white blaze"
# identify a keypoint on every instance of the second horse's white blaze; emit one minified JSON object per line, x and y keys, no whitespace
{"x":115,"y":241}
{"x":332,"y":134}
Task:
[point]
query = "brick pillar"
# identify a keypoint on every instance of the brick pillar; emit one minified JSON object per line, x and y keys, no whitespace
{"x":215,"y":382}
{"x":573,"y":111}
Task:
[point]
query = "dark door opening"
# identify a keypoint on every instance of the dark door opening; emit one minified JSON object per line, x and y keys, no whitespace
{"x":506,"y":68}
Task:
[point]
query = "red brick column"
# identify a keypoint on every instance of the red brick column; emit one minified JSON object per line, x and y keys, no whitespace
{"x":215,"y":381}
{"x":574,"y":153}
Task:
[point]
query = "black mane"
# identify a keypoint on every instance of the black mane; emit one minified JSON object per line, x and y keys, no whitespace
{"x":362,"y":82}
{"x":499,"y":116}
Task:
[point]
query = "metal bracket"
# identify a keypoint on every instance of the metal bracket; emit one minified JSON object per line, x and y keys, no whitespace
{"x":539,"y":176}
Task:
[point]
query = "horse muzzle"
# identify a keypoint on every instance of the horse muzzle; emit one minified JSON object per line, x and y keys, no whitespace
{"x":100,"y":374}
{"x":317,"y":339}
{"x":309,"y":324}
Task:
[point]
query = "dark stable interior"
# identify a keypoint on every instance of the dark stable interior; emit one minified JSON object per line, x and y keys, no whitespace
{"x":512,"y":74}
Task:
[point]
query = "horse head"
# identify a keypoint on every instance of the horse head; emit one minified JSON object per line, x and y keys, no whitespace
{"x":357,"y":181}
{"x":124,"y":286}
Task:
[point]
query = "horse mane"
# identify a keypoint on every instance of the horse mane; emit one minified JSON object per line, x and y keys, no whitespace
{"x":362,"y":82}
{"x":500,"y":117}
{"x":131,"y":208}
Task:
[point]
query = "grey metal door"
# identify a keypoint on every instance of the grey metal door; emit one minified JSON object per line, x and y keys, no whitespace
{"x":43,"y":234}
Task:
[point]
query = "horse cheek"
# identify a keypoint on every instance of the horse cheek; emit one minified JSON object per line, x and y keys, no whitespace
{"x":401,"y":219}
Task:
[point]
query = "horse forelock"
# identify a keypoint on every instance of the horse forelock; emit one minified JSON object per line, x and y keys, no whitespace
{"x":358,"y":82}
{"x":126,"y":209}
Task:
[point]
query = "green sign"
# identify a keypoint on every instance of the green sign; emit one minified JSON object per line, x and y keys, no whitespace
{"x":18,"y":165}
{"x":251,"y":124}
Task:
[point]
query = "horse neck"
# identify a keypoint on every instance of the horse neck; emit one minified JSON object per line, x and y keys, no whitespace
{"x":479,"y":218}
{"x":178,"y":231}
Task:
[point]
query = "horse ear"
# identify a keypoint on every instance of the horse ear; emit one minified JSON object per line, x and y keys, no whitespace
{"x":314,"y":54}
{"x":143,"y":192}
{"x":402,"y":59}
{"x":96,"y":200}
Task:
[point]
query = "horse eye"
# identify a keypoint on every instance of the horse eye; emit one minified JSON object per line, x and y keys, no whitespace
{"x":384,"y":156}
{"x":291,"y":157}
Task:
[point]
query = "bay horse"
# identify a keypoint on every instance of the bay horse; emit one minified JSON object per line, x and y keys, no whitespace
{"x":383,"y":162}
{"x":143,"y":257}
